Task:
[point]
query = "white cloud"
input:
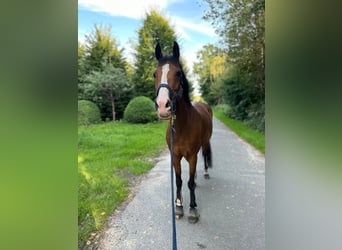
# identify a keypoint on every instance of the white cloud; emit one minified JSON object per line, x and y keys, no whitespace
{"x":127,"y":8}
{"x":199,"y":27}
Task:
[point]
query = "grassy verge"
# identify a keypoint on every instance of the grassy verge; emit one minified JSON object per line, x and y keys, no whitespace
{"x":253,"y":137}
{"x":107,"y":155}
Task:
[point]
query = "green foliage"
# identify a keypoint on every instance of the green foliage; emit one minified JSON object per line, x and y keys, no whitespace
{"x":223,"y":109}
{"x":211,"y":65}
{"x":252,"y":136}
{"x":88,"y":113}
{"x":246,"y":101}
{"x":155,"y":29}
{"x":108,"y":154}
{"x":140,"y":110}
{"x":102,"y":47}
{"x":107,"y":85}
{"x":240,"y":24}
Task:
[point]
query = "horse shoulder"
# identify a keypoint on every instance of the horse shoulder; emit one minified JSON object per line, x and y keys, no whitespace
{"x":204,"y":110}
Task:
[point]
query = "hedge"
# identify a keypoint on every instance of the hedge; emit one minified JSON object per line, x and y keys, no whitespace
{"x":88,"y":113}
{"x":140,"y":109}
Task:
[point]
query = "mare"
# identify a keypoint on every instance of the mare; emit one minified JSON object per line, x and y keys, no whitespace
{"x":192,"y":124}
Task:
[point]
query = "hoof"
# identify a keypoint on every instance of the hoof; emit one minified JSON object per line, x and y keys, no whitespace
{"x":193,"y":215}
{"x":206,"y":176}
{"x":179,"y":212}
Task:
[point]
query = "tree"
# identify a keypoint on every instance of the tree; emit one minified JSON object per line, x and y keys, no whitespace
{"x":211,"y":65}
{"x":99,"y":50}
{"x":155,"y":29}
{"x":240,"y":24}
{"x":107,"y":85}
{"x":80,"y":68}
{"x":102,"y":47}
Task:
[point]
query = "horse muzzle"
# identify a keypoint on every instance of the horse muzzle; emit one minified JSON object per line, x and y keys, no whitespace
{"x":164,"y":116}
{"x":163,"y":110}
{"x":163,"y":103}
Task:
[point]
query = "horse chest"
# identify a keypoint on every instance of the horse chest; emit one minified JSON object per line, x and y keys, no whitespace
{"x":184,"y":144}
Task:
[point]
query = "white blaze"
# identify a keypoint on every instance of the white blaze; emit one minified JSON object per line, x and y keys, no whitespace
{"x":164,"y":92}
{"x":165,"y":70}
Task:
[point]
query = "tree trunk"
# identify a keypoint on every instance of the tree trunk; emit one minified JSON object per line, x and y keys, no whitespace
{"x":113,"y":105}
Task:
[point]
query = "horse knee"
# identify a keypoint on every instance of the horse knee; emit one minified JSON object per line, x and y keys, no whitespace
{"x":191,"y":185}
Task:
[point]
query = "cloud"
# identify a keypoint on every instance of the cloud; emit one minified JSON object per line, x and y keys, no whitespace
{"x":198,"y":27}
{"x":135,"y":9}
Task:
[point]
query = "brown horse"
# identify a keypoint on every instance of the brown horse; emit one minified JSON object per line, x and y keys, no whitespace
{"x":192,"y":123}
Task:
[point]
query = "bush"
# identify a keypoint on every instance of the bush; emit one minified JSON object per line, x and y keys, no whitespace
{"x":223,"y":109}
{"x":140,"y":110}
{"x":88,"y":113}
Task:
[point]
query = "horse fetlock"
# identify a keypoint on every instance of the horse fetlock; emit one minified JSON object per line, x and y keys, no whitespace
{"x":179,"y":212}
{"x":179,"y":202}
{"x":206,"y":174}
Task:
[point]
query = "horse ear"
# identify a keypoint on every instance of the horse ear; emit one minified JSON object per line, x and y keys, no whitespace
{"x":158,"y":52}
{"x":175,"y":50}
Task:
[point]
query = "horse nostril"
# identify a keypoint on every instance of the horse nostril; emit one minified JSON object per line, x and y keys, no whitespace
{"x":167,"y":104}
{"x":156,"y":105}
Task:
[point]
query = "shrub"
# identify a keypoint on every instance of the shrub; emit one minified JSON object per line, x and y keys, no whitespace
{"x":88,"y":113}
{"x":140,"y":110}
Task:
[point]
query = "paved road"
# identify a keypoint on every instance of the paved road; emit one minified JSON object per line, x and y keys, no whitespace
{"x":231,"y":203}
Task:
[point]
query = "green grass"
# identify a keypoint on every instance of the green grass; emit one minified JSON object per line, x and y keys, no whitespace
{"x":108,"y":154}
{"x":252,"y":136}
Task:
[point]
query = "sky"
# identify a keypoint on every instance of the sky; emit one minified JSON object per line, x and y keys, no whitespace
{"x":126,"y":18}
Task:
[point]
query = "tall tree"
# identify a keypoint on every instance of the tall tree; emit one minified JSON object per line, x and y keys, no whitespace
{"x":240,"y":24}
{"x":211,"y":65}
{"x":102,"y":47}
{"x":155,"y":29}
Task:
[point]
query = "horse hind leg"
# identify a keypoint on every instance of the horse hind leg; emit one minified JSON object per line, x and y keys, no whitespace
{"x":206,"y":151}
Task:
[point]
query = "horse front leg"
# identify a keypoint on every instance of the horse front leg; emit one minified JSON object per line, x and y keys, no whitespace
{"x":179,"y":212}
{"x":193,"y":213}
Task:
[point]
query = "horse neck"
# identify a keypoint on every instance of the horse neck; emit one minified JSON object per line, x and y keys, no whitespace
{"x":182,"y":112}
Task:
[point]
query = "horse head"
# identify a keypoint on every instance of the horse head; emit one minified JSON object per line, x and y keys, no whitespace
{"x":168,"y":81}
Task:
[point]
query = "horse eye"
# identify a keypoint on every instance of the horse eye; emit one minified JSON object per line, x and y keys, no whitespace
{"x":154,"y":75}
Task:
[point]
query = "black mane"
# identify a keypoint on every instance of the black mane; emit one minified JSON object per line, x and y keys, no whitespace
{"x":184,"y":81}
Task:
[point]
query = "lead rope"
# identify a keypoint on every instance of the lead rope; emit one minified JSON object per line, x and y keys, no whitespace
{"x":174,"y":238}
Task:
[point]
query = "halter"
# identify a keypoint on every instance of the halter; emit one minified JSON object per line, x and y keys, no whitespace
{"x":173,"y":95}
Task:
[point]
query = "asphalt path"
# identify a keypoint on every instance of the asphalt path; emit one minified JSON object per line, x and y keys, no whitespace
{"x":231,"y":203}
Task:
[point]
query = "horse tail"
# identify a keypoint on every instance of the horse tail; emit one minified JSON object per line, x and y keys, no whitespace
{"x":207,"y":155}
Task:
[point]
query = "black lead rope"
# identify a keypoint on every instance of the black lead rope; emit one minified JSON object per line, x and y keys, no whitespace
{"x":174,"y":238}
{"x":174,"y":97}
